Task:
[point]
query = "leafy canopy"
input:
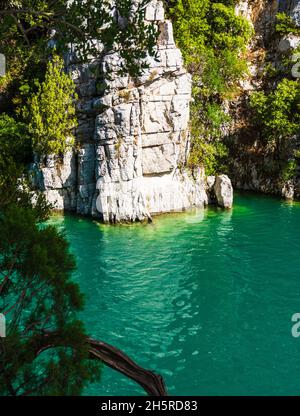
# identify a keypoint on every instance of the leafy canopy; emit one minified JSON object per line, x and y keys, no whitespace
{"x":30,"y":29}
{"x":50,"y":112}
{"x":212,"y":38}
{"x":277,"y":116}
{"x":285,"y":25}
{"x":14,"y":155}
{"x":278,"y":112}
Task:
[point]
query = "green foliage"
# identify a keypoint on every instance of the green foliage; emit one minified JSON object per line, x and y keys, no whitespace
{"x":277,"y":112}
{"x":285,"y":25}
{"x":211,"y":155}
{"x":207,"y":148}
{"x":51,"y":112}
{"x":45,"y":351}
{"x":15,"y":153}
{"x":213,"y":40}
{"x":14,"y":139}
{"x":38,"y":297}
{"x":30,"y":29}
{"x":289,"y":170}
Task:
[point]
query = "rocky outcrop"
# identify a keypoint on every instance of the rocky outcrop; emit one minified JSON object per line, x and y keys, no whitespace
{"x":223,"y":191}
{"x":56,"y":177}
{"x":132,"y":139}
{"x":220,"y":191}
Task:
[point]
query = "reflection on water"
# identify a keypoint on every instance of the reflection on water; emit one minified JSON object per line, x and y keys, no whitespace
{"x":205,"y":297}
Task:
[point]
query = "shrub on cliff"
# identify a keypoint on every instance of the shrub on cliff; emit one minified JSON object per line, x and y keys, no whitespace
{"x":50,"y":112}
{"x":285,"y":25}
{"x":213,"y":40}
{"x":277,"y":113}
{"x":15,"y":154}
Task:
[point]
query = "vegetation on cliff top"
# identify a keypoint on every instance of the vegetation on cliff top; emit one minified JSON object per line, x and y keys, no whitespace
{"x":29,"y":29}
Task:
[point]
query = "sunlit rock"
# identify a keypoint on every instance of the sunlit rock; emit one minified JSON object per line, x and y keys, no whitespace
{"x":223,"y":191}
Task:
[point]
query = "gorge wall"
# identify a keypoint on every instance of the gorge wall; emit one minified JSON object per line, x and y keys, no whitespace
{"x":132,"y":139}
{"x":252,"y":165}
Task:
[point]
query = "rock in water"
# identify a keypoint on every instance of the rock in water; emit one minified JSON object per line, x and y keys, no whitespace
{"x":288,"y":190}
{"x":223,"y":191}
{"x":141,"y":135}
{"x":132,"y":140}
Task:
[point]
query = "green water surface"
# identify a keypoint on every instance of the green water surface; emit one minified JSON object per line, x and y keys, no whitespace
{"x":205,"y":298}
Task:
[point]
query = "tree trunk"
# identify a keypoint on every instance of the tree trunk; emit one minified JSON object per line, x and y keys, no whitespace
{"x":152,"y":383}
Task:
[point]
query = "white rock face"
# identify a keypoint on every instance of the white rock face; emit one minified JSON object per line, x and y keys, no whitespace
{"x":289,"y":42}
{"x":223,"y":191}
{"x":288,"y":190}
{"x":132,"y":138}
{"x":57,"y":179}
{"x":210,"y":181}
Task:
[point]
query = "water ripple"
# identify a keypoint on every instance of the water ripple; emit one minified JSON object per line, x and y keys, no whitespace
{"x":204,"y":297}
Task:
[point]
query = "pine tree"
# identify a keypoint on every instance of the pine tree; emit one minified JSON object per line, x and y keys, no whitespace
{"x":39,"y":300}
{"x":51,"y":112}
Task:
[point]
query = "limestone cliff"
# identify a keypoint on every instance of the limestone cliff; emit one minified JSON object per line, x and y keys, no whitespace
{"x":132,"y":139}
{"x":252,"y":164}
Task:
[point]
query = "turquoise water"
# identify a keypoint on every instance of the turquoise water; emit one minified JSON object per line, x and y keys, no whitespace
{"x":205,"y":297}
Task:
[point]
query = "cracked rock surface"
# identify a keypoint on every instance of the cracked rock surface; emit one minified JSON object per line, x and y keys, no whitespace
{"x":132,"y":139}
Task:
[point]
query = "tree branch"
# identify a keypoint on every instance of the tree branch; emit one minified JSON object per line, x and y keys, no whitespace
{"x":21,"y":28}
{"x":116,"y":359}
{"x":152,"y":383}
